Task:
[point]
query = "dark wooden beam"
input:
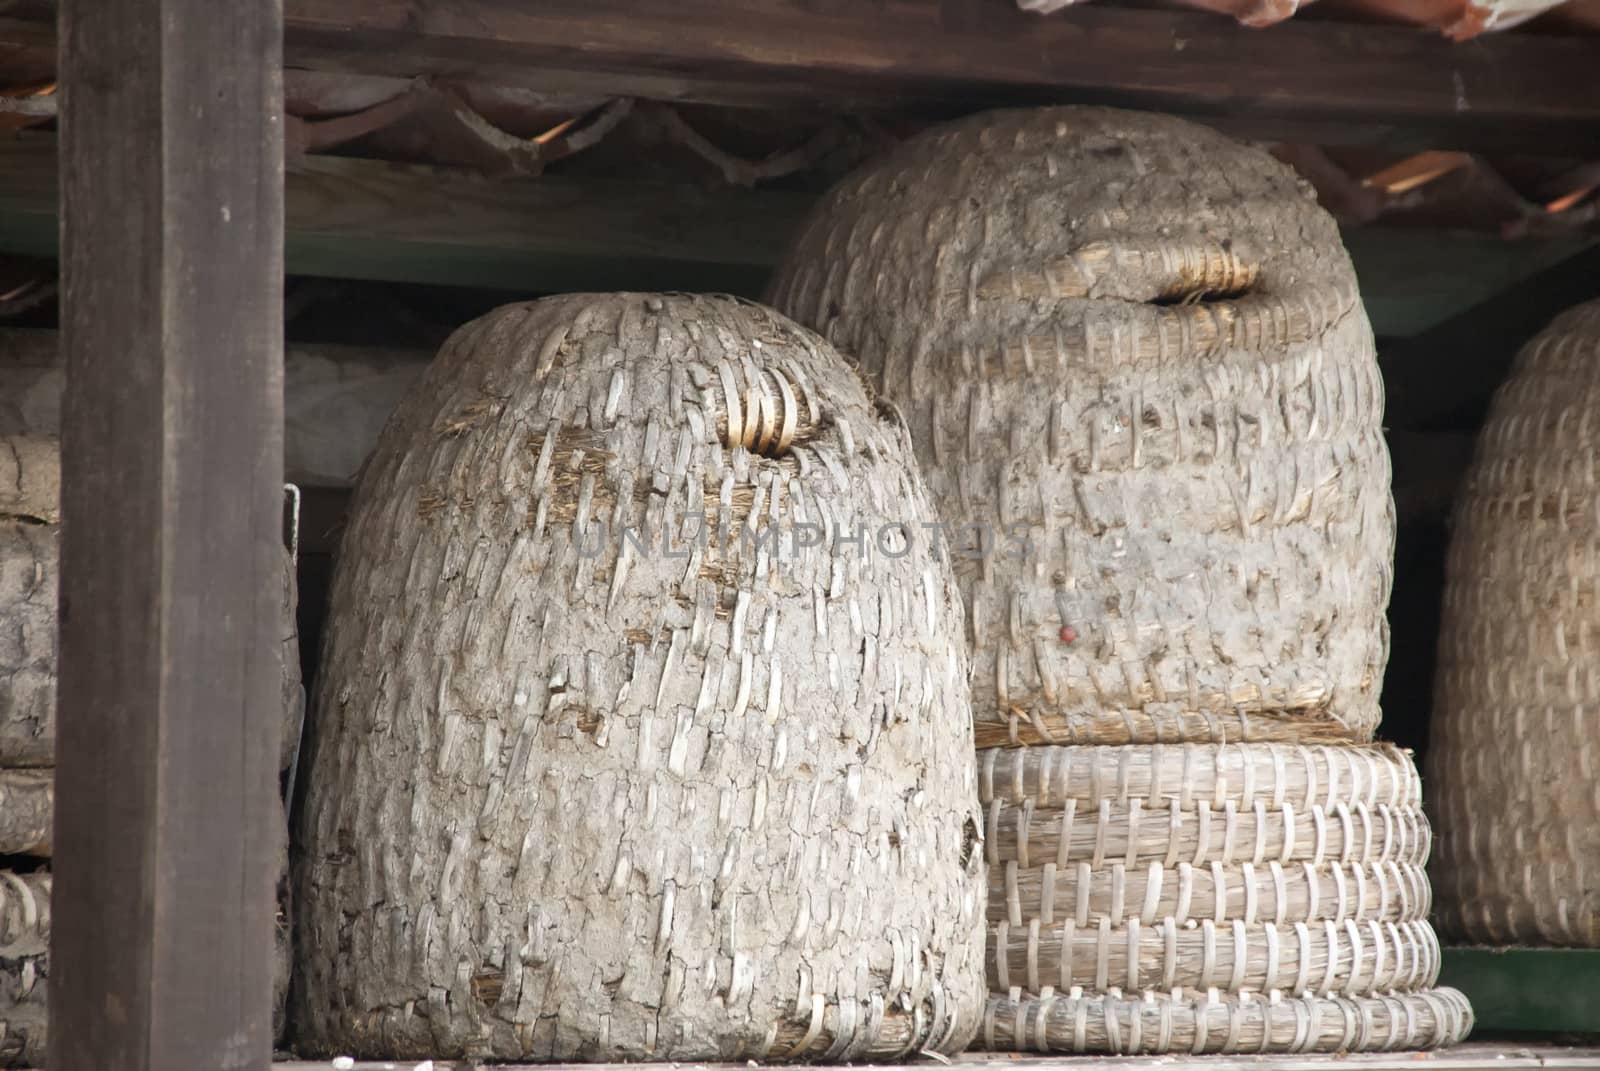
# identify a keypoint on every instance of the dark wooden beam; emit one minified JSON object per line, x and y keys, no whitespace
{"x":1497,"y":91}
{"x":1301,"y":80}
{"x":169,"y":703}
{"x":366,"y":219}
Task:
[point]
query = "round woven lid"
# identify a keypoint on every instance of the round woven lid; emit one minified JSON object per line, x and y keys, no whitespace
{"x":1211,"y":1023}
{"x":1514,"y":755}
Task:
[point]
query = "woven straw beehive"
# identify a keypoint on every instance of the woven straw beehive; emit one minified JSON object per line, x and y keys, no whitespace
{"x":1137,"y":346}
{"x":579,"y":796}
{"x":1515,"y":747}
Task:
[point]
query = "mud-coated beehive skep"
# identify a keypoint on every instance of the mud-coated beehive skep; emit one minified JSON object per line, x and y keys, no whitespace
{"x":585,"y":784}
{"x":1515,"y":745}
{"x":1133,"y":360}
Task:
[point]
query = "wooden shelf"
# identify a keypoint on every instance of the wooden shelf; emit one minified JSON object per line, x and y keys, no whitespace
{"x":1528,"y":990}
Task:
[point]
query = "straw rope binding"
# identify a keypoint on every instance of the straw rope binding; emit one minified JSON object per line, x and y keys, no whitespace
{"x":1514,"y":758}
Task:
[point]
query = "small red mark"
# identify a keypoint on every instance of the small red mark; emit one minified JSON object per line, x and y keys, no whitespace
{"x":1068,"y":634}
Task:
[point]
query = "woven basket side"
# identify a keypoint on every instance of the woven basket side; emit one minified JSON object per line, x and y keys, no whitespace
{"x":1515,"y":749}
{"x":640,"y":798}
{"x":1208,"y":1023}
{"x":1139,"y":344}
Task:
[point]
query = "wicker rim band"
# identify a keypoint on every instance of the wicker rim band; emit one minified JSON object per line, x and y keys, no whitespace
{"x":1280,"y":773}
{"x":1388,"y":890}
{"x":1349,"y":958}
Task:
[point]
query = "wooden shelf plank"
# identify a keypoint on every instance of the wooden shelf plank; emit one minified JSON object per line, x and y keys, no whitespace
{"x":1499,"y":90}
{"x":366,"y":219}
{"x":1528,"y":990}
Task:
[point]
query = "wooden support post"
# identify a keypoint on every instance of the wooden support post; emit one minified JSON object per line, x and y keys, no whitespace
{"x":172,"y":425}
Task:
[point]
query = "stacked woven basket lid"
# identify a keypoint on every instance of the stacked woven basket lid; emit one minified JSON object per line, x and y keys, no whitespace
{"x":1515,"y":747}
{"x":1143,"y":389}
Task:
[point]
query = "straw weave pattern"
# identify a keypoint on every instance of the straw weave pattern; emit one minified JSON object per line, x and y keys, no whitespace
{"x":702,"y":802}
{"x":1141,"y":345}
{"x":1514,"y":759}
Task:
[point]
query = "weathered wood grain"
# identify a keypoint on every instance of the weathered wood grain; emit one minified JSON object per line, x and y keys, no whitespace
{"x":168,"y":717}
